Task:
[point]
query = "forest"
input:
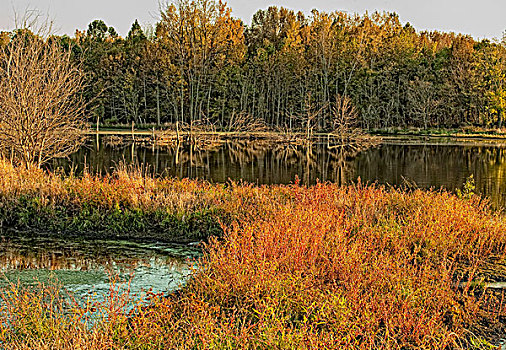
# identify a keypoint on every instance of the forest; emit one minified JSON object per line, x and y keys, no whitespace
{"x":201,"y":66}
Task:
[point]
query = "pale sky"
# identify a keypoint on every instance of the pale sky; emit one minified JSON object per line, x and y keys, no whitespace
{"x":481,"y":19}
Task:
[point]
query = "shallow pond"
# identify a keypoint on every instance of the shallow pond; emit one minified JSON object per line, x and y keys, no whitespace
{"x":87,"y":267}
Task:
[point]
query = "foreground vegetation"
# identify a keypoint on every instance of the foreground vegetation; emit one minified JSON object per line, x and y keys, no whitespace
{"x":295,"y":267}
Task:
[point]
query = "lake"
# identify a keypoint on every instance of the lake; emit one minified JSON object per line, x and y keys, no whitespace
{"x":424,"y":162}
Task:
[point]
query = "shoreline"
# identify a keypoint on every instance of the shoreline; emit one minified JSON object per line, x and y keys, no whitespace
{"x":377,"y":135}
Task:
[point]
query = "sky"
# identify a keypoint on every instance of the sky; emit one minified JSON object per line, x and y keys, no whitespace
{"x":481,"y":19}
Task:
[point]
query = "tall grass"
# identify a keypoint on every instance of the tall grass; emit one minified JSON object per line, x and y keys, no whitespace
{"x":324,"y":267}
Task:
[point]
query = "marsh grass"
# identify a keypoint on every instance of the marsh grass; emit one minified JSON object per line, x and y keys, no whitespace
{"x":126,"y":203}
{"x":355,"y":267}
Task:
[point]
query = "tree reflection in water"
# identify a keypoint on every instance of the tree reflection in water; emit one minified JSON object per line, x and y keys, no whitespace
{"x":82,"y":266}
{"x":428,"y":164}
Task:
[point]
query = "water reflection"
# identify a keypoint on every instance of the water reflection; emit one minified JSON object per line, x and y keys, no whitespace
{"x":257,"y":161}
{"x":82,"y":266}
{"x":438,"y":165}
{"x":428,"y":163}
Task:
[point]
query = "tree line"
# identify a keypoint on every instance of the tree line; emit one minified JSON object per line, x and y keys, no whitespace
{"x":200,"y":65}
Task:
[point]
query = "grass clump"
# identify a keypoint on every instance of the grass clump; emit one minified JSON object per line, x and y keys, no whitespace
{"x":353,"y":267}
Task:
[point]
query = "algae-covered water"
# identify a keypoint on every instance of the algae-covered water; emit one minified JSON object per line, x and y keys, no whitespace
{"x":87,"y":267}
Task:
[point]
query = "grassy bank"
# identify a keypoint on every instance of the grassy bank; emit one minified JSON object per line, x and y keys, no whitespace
{"x":312,"y":268}
{"x":124,"y":204}
{"x":149,"y":129}
{"x":463,"y":132}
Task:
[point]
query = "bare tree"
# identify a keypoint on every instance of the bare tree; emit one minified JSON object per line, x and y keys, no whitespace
{"x":41,"y":110}
{"x":346,"y":136}
{"x":423,"y":101}
{"x":344,"y":117}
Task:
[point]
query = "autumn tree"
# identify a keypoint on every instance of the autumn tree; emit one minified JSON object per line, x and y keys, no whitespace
{"x":275,"y":89}
{"x":492,"y":67}
{"x":4,"y":39}
{"x":200,"y":38}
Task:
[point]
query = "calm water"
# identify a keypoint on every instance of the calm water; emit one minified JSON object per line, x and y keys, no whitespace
{"x":86,"y":267}
{"x":435,"y":163}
